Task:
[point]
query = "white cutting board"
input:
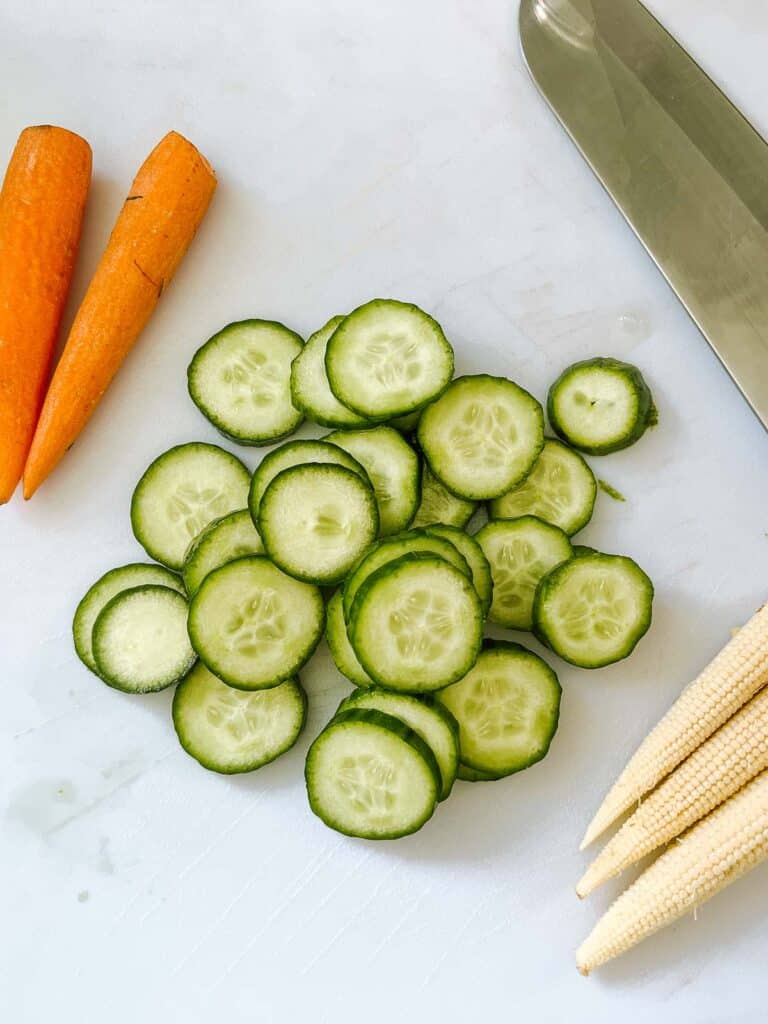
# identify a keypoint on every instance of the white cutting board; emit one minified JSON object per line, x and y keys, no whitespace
{"x":363,"y":149}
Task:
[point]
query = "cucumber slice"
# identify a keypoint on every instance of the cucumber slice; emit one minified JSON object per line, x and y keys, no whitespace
{"x":394,"y":470}
{"x":417,"y":542}
{"x":482,"y":436}
{"x":406,"y":424}
{"x":475,"y":558}
{"x":297,"y":453}
{"x":103,"y":590}
{"x":600,"y":405}
{"x":560,"y":489}
{"x":221,"y":541}
{"x":520,"y":552}
{"x":231,"y":731}
{"x":310,"y":390}
{"x":467,"y":774}
{"x":180,"y":493}
{"x":438,"y":505}
{"x":434,"y":723}
{"x":240,"y":380}
{"x":594,"y":609}
{"x":507,"y":708}
{"x":316,"y":521}
{"x":416,"y":624}
{"x":336,"y":635}
{"x":140,"y":641}
{"x":388,"y":358}
{"x":252,"y":625}
{"x":370,"y":775}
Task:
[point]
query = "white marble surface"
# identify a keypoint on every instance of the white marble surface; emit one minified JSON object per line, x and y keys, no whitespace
{"x":362,"y":149}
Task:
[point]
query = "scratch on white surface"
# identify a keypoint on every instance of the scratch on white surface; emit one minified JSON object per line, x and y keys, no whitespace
{"x":483,"y":937}
{"x":57,"y":718}
{"x":215,"y":925}
{"x":718,"y":586}
{"x":343,"y":881}
{"x":147,"y":886}
{"x":105,"y":864}
{"x":208,"y":850}
{"x":81,"y":812}
{"x":360,"y":912}
{"x":678,"y":571}
{"x":205,"y":853}
{"x":304,"y":879}
{"x":410,"y":911}
{"x":473,"y":279}
{"x":565,"y":326}
{"x":457,"y":937}
{"x":508,"y":317}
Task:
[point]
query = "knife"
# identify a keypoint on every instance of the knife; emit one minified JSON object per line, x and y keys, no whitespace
{"x":684,"y":166}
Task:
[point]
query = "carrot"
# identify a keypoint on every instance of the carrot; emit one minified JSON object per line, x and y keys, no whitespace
{"x":41,"y":213}
{"x":159,"y":218}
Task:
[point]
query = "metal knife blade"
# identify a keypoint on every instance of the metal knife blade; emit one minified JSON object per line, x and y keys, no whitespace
{"x":687,"y":170}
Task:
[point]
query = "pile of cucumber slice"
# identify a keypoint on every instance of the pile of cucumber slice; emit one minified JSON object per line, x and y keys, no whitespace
{"x":364,"y":536}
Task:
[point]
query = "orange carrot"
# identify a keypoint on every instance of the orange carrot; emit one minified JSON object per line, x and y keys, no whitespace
{"x":41,"y":213}
{"x":164,"y":208}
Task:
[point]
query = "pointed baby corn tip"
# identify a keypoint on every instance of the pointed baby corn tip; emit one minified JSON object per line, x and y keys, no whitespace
{"x":728,"y":682}
{"x":584,"y":886}
{"x":734,"y":755}
{"x":595,"y":829}
{"x":721,"y":848}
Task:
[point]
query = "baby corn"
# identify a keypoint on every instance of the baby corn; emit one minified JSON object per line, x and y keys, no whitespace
{"x":728,"y":682}
{"x":717,"y":851}
{"x":715,"y":771}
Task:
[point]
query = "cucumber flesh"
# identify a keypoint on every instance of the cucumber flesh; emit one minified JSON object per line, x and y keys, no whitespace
{"x":180,"y":493}
{"x":310,"y":390}
{"x":507,"y":708}
{"x":600,"y":405}
{"x":231,"y":731}
{"x":475,"y":558}
{"x":560,"y":489}
{"x":336,"y":635}
{"x":387,"y":359}
{"x":371,"y":776}
{"x":240,"y":380}
{"x":393,"y":468}
{"x":434,"y":723}
{"x":140,"y":640}
{"x":112,"y":583}
{"x":297,"y":453}
{"x":593,"y":609}
{"x":416,"y":624}
{"x":438,"y":506}
{"x":482,"y":436}
{"x":418,"y":542}
{"x":222,"y":541}
{"x":520,"y":553}
{"x":317,"y":520}
{"x":254,"y":626}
